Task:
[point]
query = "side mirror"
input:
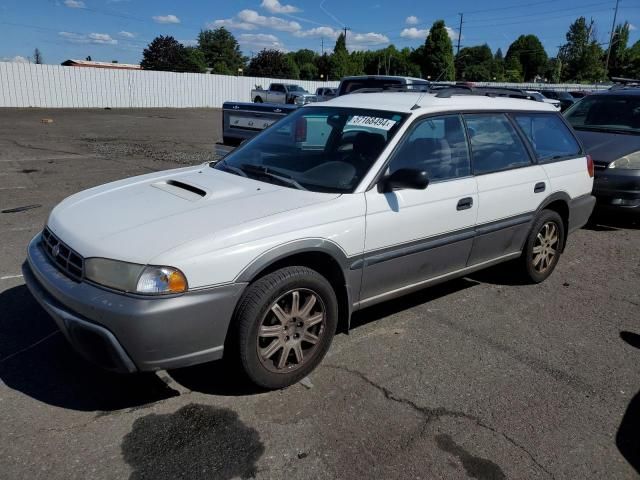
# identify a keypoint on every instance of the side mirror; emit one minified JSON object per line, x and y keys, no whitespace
{"x":405,"y":178}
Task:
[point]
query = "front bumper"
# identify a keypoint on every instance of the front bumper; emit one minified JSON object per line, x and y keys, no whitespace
{"x":617,"y":189}
{"x":129,"y":333}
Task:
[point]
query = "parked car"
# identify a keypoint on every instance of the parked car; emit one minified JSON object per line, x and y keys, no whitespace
{"x":565,"y":98}
{"x":359,"y":82}
{"x":241,"y":120}
{"x":578,"y":94}
{"x":608,"y":123}
{"x":338,"y":206}
{"x":282,"y":93}
{"x":325,"y":93}
{"x":538,"y":97}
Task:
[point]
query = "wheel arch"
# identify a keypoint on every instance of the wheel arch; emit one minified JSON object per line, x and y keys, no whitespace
{"x":324,"y":256}
{"x":558,"y":202}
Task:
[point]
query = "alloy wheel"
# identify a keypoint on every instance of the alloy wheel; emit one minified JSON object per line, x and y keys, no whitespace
{"x":291,"y":330}
{"x":545,"y":248}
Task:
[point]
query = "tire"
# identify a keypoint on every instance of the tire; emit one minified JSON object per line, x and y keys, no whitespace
{"x":277,"y":343}
{"x":257,"y":100}
{"x":543,"y":246}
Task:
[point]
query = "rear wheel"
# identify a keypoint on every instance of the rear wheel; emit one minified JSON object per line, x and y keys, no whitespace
{"x":257,"y":100}
{"x":286,"y":321}
{"x":544,"y":246}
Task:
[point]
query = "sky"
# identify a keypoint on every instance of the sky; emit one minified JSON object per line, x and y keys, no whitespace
{"x":119,"y":30}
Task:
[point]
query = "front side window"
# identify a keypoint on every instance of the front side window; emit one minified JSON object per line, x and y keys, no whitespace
{"x":495,"y":145}
{"x":436,"y":145}
{"x":608,"y":113}
{"x":321,"y":149}
{"x":548,"y":135}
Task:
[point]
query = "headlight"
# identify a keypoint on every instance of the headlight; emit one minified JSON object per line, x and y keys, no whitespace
{"x":131,"y":277}
{"x":299,"y":101}
{"x":628,"y":162}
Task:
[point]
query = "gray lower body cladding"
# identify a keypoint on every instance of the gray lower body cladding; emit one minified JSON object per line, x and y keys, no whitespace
{"x":132,"y":333}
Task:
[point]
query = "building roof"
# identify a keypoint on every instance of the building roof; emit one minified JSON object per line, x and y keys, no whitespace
{"x":89,"y":63}
{"x":405,"y":101}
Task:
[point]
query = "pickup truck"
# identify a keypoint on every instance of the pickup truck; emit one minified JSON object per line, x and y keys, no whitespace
{"x":282,"y":93}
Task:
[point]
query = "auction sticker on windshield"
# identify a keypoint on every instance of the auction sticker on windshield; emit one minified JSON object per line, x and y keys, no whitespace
{"x":372,"y":122}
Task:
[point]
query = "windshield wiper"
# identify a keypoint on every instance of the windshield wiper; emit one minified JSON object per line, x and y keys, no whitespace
{"x":260,"y":170}
{"x":232,"y":169}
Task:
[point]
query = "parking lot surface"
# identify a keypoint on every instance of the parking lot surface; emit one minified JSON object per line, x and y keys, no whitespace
{"x":482,"y":377}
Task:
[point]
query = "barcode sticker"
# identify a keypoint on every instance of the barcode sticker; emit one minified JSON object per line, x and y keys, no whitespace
{"x":371,"y":122}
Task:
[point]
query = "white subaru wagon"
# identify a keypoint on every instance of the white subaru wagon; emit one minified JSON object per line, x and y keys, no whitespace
{"x":263,"y":255}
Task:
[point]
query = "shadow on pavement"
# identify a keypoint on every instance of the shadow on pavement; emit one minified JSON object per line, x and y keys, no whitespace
{"x":197,"y":441}
{"x":411,"y":300}
{"x":628,"y":436}
{"x":36,"y":359}
{"x":221,"y":377}
{"x":608,"y":221}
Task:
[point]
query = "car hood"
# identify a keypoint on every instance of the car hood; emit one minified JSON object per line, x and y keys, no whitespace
{"x":606,"y":147}
{"x":137,"y":219}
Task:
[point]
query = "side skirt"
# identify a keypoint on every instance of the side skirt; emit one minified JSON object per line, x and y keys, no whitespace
{"x":398,"y":292}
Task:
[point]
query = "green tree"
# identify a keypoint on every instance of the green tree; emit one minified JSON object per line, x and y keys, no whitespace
{"x":497,"y":66}
{"x":341,"y":65}
{"x":221,"y":51}
{"x":437,"y":55}
{"x":530,"y":53}
{"x":618,"y":61}
{"x":553,"y":70}
{"x":475,"y":63}
{"x":512,"y":69}
{"x":581,"y":56}
{"x":633,"y":57}
{"x":323,"y":64}
{"x":272,"y":63}
{"x":165,"y":53}
{"x":304,"y":55}
{"x":195,"y":60}
{"x":308,"y":71}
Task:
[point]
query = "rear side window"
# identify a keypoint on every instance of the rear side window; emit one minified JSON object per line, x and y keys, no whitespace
{"x":495,"y":144}
{"x":549,"y":136}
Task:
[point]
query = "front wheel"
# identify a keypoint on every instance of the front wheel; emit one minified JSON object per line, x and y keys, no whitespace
{"x":285,"y":324}
{"x":544,"y":246}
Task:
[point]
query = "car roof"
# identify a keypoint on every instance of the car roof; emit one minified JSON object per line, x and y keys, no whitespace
{"x":385,"y":77}
{"x":619,"y":91}
{"x":404,"y":102}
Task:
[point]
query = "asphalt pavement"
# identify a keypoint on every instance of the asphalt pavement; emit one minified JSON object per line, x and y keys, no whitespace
{"x":482,"y":377}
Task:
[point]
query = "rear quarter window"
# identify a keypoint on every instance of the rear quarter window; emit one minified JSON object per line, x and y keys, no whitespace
{"x":549,"y":136}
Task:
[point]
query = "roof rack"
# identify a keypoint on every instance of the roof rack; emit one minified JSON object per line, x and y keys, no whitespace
{"x":396,"y":87}
{"x":621,"y":82}
{"x":485,"y":91}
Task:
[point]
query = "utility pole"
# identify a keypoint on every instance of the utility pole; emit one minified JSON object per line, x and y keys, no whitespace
{"x":613,"y":27}
{"x":345,"y":35}
{"x":322,"y":45}
{"x":460,"y":34}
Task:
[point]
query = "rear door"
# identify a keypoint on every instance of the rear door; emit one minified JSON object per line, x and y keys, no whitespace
{"x":511,"y":186}
{"x":277,"y":93}
{"x":415,"y":235}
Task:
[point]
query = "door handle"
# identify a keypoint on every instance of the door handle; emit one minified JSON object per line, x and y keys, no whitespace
{"x":540,"y":187}
{"x":465,"y":203}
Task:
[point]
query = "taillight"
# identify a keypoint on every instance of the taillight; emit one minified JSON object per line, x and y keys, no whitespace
{"x":301,"y":130}
{"x":590,"y":167}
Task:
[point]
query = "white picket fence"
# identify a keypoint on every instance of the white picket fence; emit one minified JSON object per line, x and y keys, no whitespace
{"x":55,"y":86}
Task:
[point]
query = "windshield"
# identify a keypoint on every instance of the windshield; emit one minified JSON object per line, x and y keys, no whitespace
{"x":606,"y":112}
{"x":296,"y":88}
{"x":321,"y":149}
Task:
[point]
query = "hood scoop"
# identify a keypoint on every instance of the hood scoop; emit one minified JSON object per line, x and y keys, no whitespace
{"x":181,"y":189}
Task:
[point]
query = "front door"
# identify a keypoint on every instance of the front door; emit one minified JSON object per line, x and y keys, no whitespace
{"x":416,"y":235}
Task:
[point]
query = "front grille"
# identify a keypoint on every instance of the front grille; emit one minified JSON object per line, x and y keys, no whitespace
{"x":68,"y":261}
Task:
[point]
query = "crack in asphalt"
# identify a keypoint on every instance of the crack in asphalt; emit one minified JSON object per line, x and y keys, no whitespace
{"x":430,"y":414}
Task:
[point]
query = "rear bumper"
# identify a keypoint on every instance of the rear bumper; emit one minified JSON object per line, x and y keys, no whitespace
{"x":617,"y":189}
{"x":580,"y":210}
{"x":127,"y":333}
